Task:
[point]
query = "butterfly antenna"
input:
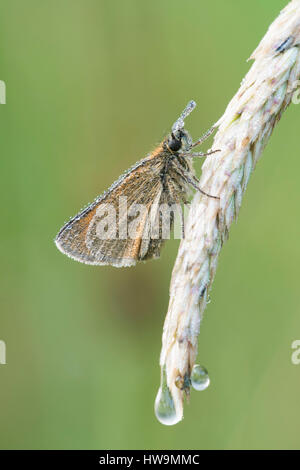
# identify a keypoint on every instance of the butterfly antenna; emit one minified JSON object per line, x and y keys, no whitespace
{"x":179,"y":124}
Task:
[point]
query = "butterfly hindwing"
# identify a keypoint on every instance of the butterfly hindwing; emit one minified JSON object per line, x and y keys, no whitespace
{"x":79,"y":239}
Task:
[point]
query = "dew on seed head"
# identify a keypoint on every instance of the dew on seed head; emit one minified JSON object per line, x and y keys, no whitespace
{"x":199,"y":378}
{"x":164,"y":407}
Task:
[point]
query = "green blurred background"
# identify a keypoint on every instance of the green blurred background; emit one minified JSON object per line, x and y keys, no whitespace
{"x":92,"y":85}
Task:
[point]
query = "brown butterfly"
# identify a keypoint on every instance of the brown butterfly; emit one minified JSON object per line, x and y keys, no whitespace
{"x":117,"y":228}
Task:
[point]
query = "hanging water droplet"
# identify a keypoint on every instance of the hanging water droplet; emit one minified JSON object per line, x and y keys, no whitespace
{"x":199,"y":377}
{"x":164,"y":407}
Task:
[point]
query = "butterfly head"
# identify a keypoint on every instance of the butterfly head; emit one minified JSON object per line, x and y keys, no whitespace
{"x":175,"y":140}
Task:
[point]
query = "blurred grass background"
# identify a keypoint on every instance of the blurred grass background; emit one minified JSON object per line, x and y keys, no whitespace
{"x":92,"y":85}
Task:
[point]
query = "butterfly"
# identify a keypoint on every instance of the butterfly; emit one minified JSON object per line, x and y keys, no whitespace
{"x":126,"y":223}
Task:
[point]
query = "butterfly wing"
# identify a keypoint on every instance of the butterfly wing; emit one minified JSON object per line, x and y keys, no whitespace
{"x":84,"y":239}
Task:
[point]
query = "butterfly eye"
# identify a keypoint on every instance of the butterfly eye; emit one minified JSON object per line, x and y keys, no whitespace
{"x":174,"y":144}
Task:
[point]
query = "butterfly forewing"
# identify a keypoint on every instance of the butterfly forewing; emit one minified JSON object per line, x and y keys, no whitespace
{"x":115,"y":228}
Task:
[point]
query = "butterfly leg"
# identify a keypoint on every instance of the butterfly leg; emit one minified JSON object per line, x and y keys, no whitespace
{"x":192,"y":181}
{"x":198,"y":154}
{"x":203,"y":137}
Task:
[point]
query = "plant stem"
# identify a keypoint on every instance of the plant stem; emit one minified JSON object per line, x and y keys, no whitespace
{"x":243,"y":131}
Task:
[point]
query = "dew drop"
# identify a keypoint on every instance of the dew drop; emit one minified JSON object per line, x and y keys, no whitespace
{"x":164,"y":407}
{"x":199,"y":378}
